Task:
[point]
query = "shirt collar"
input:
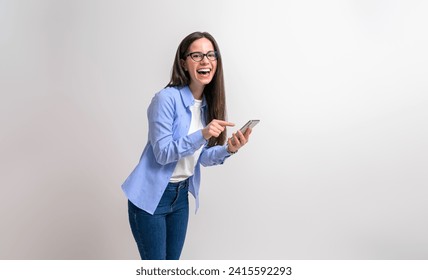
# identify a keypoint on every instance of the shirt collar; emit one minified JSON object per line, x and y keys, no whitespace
{"x":187,"y":97}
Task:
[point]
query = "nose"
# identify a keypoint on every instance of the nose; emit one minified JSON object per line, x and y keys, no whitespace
{"x":205,"y":59}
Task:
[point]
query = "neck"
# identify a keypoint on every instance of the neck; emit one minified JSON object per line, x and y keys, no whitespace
{"x":197,"y":91}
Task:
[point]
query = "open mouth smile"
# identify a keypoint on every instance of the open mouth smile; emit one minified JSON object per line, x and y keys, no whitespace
{"x":204,"y":71}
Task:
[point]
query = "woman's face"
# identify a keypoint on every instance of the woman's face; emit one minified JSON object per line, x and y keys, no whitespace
{"x":201,"y":72}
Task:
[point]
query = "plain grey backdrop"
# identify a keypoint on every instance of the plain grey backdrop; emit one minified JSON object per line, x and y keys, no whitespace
{"x":337,"y":168}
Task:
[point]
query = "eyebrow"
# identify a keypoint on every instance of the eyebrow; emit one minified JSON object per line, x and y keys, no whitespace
{"x":202,"y":51}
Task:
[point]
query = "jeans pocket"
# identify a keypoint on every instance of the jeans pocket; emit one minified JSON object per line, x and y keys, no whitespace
{"x":167,"y":197}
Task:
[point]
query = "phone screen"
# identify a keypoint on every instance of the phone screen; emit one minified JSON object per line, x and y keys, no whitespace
{"x":249,"y":124}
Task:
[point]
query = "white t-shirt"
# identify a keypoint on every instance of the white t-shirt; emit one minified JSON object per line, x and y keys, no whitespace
{"x":186,"y":166}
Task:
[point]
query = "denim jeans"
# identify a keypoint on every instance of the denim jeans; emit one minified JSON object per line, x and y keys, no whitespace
{"x":161,"y":236}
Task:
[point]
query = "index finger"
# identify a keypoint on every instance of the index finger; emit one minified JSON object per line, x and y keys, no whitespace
{"x":225,"y":123}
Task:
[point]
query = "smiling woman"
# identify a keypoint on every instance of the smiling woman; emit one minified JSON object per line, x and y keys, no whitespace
{"x":200,"y":70}
{"x":157,"y":189}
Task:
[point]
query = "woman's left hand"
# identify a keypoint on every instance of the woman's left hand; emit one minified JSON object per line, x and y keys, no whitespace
{"x":238,"y":140}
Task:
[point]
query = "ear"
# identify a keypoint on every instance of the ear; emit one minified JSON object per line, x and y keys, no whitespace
{"x":183,"y":64}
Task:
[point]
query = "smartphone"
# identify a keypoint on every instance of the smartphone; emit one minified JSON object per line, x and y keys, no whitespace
{"x":249,"y":124}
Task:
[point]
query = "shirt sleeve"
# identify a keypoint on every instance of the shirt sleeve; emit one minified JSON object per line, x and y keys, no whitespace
{"x":161,"y":113}
{"x":213,"y":155}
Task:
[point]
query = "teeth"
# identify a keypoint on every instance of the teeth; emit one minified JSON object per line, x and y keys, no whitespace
{"x":203,"y":71}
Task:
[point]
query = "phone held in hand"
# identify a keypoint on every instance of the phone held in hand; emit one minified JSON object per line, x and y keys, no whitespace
{"x":249,"y":124}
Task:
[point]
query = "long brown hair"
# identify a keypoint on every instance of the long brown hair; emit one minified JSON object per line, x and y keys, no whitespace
{"x":214,"y":92}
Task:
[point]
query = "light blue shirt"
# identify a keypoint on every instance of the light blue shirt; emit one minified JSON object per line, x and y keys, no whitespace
{"x":169,"y":119}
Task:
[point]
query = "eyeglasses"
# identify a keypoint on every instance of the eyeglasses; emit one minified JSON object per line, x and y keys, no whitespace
{"x":198,"y":56}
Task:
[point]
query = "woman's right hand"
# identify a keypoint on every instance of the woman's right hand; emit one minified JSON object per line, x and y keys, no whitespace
{"x":215,"y":128}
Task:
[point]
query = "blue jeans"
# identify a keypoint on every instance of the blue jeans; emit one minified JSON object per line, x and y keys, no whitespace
{"x":161,"y":236}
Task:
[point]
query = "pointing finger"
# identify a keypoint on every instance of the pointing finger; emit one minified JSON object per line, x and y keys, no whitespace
{"x":225,"y":123}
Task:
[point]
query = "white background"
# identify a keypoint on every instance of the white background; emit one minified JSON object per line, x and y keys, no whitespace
{"x":336,"y":169}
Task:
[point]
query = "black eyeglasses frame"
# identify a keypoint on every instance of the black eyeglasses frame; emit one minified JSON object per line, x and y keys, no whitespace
{"x":203,"y":55}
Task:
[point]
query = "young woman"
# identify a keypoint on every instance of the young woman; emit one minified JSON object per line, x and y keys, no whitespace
{"x":187,"y":128}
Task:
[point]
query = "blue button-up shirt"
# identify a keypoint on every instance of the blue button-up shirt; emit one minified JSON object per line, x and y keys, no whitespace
{"x":169,"y":119}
